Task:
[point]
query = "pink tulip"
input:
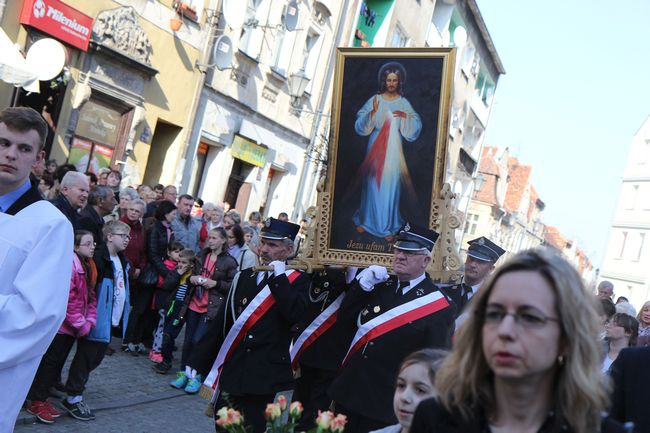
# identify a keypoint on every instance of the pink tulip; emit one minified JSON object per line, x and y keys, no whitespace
{"x":295,"y":410}
{"x":324,"y":419}
{"x":234,"y":417}
{"x":338,"y":423}
{"x":272,"y":411}
{"x":282,"y":402}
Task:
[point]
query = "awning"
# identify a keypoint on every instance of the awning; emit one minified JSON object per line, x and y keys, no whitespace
{"x":261,"y":135}
{"x":13,"y":66}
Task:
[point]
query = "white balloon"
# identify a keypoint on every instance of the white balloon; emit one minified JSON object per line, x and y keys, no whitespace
{"x":46,"y":58}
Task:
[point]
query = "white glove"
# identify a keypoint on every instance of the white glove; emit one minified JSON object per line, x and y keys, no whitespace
{"x":278,"y":267}
{"x":350,"y":274}
{"x":372,"y":275}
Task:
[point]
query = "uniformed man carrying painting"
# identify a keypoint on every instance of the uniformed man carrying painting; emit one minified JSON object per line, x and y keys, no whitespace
{"x":394,"y":317}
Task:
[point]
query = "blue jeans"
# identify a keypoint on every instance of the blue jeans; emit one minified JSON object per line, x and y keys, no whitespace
{"x":196,"y":326}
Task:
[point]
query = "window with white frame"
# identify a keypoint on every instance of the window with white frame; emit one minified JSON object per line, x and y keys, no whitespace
{"x":485,"y":86}
{"x":313,"y":44}
{"x":620,"y":244}
{"x":252,"y":33}
{"x":282,"y":48}
{"x":400,"y":39}
{"x":471,"y":223}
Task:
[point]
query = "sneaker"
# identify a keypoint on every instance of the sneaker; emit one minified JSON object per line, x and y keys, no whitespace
{"x":194,"y":385}
{"x":141,"y":348}
{"x":155,"y":357}
{"x":78,"y":410}
{"x":40,"y":410}
{"x":162,"y":367}
{"x":131,"y":348}
{"x":180,"y":381}
{"x":53,"y":410}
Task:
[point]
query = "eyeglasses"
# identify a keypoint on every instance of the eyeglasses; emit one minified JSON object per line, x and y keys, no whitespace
{"x":88,"y":244}
{"x":529,"y":318}
{"x":124,"y":235}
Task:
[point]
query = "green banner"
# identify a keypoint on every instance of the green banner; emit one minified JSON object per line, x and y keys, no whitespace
{"x":248,"y":151}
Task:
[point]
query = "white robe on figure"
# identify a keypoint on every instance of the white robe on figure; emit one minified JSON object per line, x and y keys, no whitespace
{"x":36,"y":248}
{"x":384,"y":167}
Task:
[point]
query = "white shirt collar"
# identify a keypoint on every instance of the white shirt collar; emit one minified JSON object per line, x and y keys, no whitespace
{"x":412,"y":283}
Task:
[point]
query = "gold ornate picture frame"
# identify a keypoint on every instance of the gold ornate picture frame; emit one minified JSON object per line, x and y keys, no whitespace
{"x":387,"y":151}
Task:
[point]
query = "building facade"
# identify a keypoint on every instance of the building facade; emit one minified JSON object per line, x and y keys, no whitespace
{"x":125,"y":96}
{"x":627,"y":257}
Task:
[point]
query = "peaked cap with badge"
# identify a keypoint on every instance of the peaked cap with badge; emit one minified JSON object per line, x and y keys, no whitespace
{"x":414,"y":238}
{"x":277,"y":230}
{"x":484,"y":249}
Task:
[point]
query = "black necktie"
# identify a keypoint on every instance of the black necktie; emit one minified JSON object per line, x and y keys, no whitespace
{"x":466,"y":291}
{"x":401,"y":287}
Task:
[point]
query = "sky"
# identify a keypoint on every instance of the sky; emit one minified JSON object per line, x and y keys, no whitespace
{"x":576,"y":90}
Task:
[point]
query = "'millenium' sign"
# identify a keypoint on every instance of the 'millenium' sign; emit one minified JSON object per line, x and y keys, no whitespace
{"x":59,"y":20}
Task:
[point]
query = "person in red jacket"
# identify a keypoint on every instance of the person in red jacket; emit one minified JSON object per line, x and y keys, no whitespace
{"x":80,"y":316}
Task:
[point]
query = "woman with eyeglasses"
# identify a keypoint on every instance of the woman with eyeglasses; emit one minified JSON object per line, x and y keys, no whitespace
{"x":80,"y":316}
{"x":527,"y":359}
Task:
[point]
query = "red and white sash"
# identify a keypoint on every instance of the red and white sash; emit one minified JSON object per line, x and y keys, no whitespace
{"x":255,"y":310}
{"x":320,"y":324}
{"x":396,"y":317}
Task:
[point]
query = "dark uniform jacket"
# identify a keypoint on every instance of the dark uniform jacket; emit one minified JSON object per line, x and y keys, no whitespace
{"x":455,"y":292}
{"x":631,"y":376}
{"x":31,"y":196}
{"x":367,"y":380}
{"x":329,"y":349}
{"x":431,"y":417}
{"x":260,"y":364}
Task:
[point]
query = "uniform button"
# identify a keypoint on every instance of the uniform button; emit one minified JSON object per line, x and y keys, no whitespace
{"x":250,"y":336}
{"x":372,"y":343}
{"x":248,"y":350}
{"x":365,"y":356}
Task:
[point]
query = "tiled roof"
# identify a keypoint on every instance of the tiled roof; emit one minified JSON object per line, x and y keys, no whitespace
{"x":553,"y":237}
{"x":519,"y":176}
{"x":489,"y":168}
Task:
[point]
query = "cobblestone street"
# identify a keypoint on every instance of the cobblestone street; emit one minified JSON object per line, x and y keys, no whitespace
{"x":128,"y":397}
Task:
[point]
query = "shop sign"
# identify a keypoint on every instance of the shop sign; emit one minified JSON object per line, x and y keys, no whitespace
{"x":249,"y":151}
{"x":59,"y":20}
{"x":98,"y":123}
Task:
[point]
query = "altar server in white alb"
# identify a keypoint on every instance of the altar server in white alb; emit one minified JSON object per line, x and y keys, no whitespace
{"x":35,"y":260}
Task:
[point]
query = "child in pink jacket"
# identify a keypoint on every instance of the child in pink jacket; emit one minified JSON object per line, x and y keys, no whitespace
{"x":80,"y":316}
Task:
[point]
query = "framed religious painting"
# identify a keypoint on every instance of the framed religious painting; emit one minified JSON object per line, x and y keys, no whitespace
{"x":387,"y":150}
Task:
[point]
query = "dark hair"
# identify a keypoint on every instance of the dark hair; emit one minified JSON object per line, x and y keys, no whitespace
{"x":622,"y":299}
{"x":78,"y":234}
{"x":51,"y":161}
{"x":431,"y":358}
{"x":91,"y":175}
{"x":238,"y":233}
{"x":47,"y":179}
{"x":283,"y":215}
{"x":25,"y":119}
{"x":199,"y":202}
{"x":164,"y":207}
{"x":175,"y":246}
{"x":186,"y":253}
{"x":159,"y":186}
{"x":629,"y":324}
{"x":117,"y":173}
{"x":185,"y":197}
{"x":607,"y":308}
{"x":62,"y":170}
{"x":98,"y":192}
{"x":391,"y":68}
{"x":221,"y":231}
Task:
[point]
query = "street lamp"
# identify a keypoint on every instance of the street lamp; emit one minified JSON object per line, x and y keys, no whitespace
{"x":479,"y":180}
{"x":297,"y":84}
